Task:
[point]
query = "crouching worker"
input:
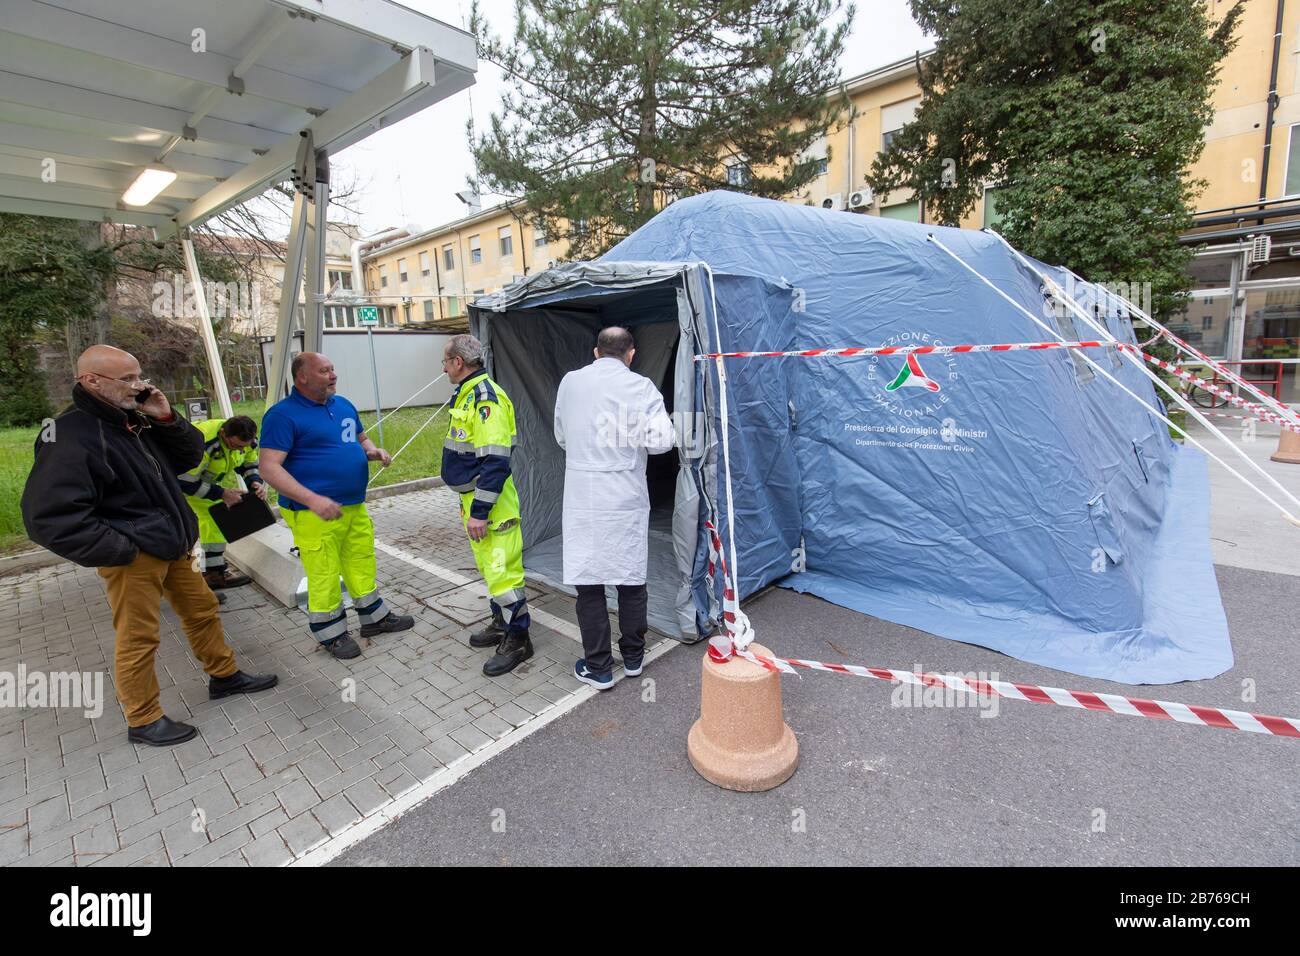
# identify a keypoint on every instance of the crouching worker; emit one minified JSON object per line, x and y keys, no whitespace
{"x":229,"y":449}
{"x":103,"y":494}
{"x":476,"y":463}
{"x":314,"y":454}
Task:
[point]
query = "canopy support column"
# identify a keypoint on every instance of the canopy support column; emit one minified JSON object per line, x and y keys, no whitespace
{"x":316,"y":234}
{"x":205,"y":327}
{"x":304,"y":180}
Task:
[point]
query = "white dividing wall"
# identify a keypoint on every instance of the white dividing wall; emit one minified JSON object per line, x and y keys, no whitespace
{"x":405,"y":359}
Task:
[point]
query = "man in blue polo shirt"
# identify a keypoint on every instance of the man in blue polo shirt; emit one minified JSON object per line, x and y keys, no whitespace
{"x":315,"y":454}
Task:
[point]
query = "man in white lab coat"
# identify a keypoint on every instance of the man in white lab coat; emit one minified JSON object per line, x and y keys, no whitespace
{"x":607,"y":419}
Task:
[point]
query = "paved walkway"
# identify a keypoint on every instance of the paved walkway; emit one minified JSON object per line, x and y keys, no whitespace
{"x":271,"y":775}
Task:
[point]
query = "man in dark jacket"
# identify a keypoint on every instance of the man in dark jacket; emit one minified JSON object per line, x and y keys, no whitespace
{"x":103,"y":493}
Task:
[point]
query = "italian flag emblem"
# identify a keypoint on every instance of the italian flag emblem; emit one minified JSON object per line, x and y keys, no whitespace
{"x":912,"y":375}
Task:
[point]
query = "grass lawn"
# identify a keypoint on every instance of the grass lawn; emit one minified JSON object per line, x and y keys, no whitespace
{"x":422,"y":459}
{"x":15,"y":463}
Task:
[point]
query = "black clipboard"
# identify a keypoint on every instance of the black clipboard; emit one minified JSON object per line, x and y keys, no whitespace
{"x":251,"y":515}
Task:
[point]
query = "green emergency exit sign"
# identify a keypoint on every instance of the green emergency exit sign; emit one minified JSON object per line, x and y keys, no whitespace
{"x":368,"y":315}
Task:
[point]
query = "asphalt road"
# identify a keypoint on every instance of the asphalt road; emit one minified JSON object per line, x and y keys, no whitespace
{"x":610,"y":783}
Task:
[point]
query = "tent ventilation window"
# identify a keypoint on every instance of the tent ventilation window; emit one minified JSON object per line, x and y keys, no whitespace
{"x":1116,"y":359}
{"x":1065,"y":325}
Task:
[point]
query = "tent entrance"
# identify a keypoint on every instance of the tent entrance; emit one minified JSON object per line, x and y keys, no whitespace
{"x":531,"y":350}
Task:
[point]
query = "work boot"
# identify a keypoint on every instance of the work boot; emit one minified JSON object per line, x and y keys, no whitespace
{"x":343,"y":648}
{"x":514,"y":649}
{"x":491,"y":635}
{"x":163,"y":732}
{"x":387,"y":624}
{"x":223,"y":577}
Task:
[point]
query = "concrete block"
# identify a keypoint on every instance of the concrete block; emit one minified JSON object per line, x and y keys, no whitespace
{"x":265,"y":557}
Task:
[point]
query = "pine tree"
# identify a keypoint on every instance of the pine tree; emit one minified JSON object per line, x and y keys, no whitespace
{"x":1087,"y":114}
{"x":617,"y":107}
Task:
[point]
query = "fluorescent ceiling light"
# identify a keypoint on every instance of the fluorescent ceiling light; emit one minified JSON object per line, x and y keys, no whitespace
{"x":151,"y":181}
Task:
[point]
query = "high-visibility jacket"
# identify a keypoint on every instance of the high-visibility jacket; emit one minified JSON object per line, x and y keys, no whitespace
{"x":205,"y":481}
{"x":476,"y":452}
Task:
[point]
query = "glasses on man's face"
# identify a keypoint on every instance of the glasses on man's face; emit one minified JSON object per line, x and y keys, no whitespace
{"x":135,"y":381}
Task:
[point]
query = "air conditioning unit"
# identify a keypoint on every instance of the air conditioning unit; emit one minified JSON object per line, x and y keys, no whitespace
{"x":1260,"y":248}
{"x":834,"y":201}
{"x":550,"y":263}
{"x":861,"y":199}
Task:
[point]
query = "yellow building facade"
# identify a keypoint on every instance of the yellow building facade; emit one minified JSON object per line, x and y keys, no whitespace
{"x":426,"y":279}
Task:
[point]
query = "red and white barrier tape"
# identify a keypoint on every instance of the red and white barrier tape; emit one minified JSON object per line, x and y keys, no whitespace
{"x":722,"y":649}
{"x":1239,"y":418}
{"x":914,"y":350}
{"x":722,"y":646}
{"x":1219,"y":368}
{"x":1259,"y":411}
{"x":1112,"y":703}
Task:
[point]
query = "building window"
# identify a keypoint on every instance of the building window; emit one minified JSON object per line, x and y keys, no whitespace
{"x":822,"y":165}
{"x":424,"y":264}
{"x":507,"y":245}
{"x":340,"y":279}
{"x":893,"y":118}
{"x":448,"y":260}
{"x":475,"y":253}
{"x":1293,"y":164}
{"x":992,"y":218}
{"x":737,"y":175}
{"x":401,"y":271}
{"x":428,"y":310}
{"x":453,"y":306}
{"x":340,"y":317}
{"x":383,"y":277}
{"x":906,"y":211}
{"x":406,"y":313}
{"x":539,"y":236}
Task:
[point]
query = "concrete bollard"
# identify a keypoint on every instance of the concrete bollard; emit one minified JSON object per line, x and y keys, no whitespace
{"x":741,"y":741}
{"x":1288,"y":448}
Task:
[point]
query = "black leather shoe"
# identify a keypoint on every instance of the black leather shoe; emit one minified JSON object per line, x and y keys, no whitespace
{"x":491,"y":635}
{"x":219,"y":578}
{"x":344,"y":648}
{"x":389,"y":623}
{"x":163,"y":732}
{"x":514,"y":649}
{"x":240,"y":683}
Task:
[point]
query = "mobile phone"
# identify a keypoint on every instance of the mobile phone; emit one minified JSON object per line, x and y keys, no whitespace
{"x":142,"y":396}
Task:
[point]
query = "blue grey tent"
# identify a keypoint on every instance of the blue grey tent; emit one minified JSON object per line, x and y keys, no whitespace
{"x":1017,"y":500}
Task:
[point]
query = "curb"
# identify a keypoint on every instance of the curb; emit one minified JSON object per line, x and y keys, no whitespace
{"x":29,"y":561}
{"x":402,"y":487}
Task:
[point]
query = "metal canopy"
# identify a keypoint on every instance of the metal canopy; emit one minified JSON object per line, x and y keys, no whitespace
{"x":219,"y":92}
